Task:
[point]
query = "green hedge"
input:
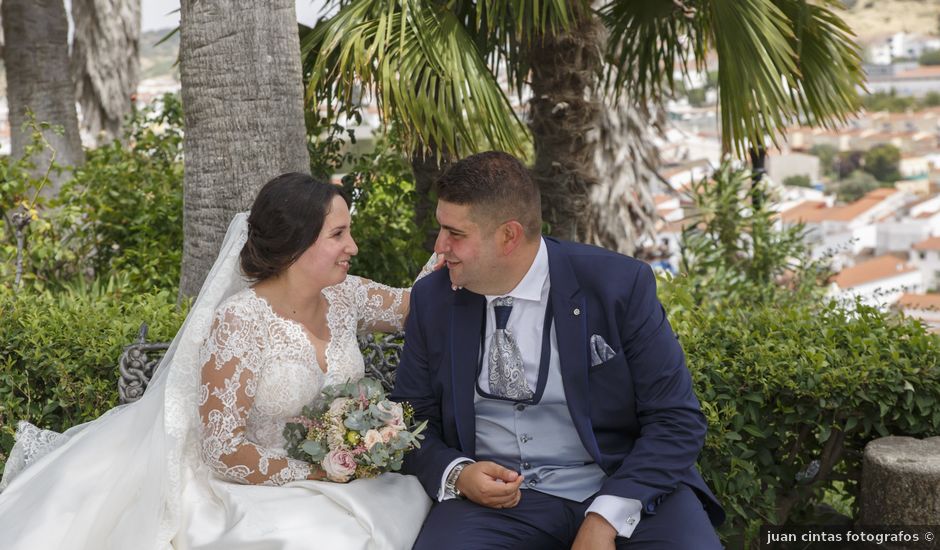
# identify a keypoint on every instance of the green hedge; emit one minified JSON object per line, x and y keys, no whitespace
{"x":788,"y":383}
{"x":58,"y":352}
{"x":794,"y":383}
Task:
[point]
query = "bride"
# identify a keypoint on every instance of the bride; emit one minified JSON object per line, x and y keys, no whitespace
{"x":199,"y":461}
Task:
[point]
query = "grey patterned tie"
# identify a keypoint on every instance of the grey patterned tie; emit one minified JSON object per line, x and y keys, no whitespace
{"x":507,"y":374}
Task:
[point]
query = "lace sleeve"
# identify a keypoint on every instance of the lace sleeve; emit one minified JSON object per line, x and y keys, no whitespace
{"x":381,"y":308}
{"x":231,"y":359}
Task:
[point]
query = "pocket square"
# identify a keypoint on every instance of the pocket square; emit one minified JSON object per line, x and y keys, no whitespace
{"x":600,"y":351}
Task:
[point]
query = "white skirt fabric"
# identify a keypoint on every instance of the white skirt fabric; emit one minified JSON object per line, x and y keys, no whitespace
{"x":107,"y":486}
{"x":383,"y":513}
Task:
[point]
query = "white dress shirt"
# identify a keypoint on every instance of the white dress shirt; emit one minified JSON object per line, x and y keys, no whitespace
{"x":526,"y":322}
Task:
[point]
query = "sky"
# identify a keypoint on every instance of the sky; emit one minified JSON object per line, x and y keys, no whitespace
{"x":161,"y":14}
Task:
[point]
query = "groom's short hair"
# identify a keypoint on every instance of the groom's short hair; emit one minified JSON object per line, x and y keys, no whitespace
{"x":497,"y":187}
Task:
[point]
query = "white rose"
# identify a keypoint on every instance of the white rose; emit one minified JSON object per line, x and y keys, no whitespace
{"x":372,"y":437}
{"x":338,"y":406}
{"x":388,"y":433}
{"x":336,"y":436}
{"x":394,"y":411}
{"x":339,"y":465}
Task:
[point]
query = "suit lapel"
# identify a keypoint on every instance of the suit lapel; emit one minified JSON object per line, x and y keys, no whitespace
{"x":466,"y":321}
{"x":571,"y":331}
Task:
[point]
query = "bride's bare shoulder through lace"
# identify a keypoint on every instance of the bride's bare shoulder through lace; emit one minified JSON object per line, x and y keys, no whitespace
{"x":256,"y":372}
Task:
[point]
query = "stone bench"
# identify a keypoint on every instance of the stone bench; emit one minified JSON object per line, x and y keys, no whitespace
{"x":141,"y":358}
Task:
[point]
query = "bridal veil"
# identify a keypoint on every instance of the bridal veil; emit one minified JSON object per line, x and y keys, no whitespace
{"x":119,"y":478}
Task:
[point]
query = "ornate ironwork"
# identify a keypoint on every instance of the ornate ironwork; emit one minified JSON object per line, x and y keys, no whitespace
{"x":381,"y":356}
{"x":140,"y":359}
{"x":137,"y":365}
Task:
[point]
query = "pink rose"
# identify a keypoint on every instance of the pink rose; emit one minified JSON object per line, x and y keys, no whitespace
{"x":392,"y":413}
{"x":372,"y":437}
{"x":339,"y":465}
{"x":388,"y":433}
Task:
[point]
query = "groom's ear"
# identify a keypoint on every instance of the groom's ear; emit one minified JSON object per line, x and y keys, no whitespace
{"x":511,"y":235}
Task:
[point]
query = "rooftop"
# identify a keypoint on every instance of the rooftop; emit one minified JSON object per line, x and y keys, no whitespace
{"x":850,"y":211}
{"x":919,"y":301}
{"x":873,"y":270}
{"x":799,"y":212}
{"x":933,"y":243}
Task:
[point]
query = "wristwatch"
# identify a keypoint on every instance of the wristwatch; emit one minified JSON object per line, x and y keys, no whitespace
{"x":450,"y":484}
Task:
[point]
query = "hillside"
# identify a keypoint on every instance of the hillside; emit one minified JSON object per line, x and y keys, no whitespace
{"x":873,"y":18}
{"x":159,"y":60}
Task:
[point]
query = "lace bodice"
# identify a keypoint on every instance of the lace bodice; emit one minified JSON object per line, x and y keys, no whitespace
{"x":260,"y":369}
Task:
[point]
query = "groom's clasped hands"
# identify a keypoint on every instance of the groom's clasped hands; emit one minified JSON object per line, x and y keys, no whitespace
{"x":489,"y":484}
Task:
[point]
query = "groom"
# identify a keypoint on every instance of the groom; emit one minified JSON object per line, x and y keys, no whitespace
{"x":560,"y":410}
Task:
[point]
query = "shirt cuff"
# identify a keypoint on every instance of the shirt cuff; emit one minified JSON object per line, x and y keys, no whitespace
{"x":443,"y":495}
{"x":622,"y":513}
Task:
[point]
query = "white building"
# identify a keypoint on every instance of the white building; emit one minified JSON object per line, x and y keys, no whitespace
{"x":915,"y":82}
{"x":880,"y":281}
{"x":925,"y":307}
{"x":913,"y":166}
{"x":849,"y":229}
{"x":901,"y":232}
{"x":925,"y":255}
{"x":781,"y":166}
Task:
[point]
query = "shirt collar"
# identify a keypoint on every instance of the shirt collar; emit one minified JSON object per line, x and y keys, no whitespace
{"x":530,"y":287}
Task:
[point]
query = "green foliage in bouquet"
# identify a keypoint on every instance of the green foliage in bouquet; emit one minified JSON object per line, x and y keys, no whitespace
{"x":354,"y":431}
{"x":793,"y":382}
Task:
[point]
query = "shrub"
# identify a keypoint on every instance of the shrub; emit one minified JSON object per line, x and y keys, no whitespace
{"x":59,"y":351}
{"x":827,"y":155}
{"x":793,"y":391}
{"x":799,"y":180}
{"x":383,"y":192}
{"x":121,"y":212}
{"x":883,"y":162}
{"x":793,"y":383}
{"x":855,"y":186}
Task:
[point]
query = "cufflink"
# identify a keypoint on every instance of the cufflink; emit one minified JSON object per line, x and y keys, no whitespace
{"x":631,"y":521}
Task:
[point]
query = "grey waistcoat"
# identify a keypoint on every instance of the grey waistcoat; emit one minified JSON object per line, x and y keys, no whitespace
{"x":538,"y":440}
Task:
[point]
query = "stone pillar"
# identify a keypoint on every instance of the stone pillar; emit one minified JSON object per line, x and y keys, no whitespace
{"x":901,"y":483}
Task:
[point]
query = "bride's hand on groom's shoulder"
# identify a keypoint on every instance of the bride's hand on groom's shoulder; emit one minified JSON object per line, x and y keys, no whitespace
{"x":489,"y":484}
{"x":438,"y":260}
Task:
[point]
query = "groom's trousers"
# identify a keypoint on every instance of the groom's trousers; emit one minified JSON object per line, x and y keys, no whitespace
{"x":545,"y":522}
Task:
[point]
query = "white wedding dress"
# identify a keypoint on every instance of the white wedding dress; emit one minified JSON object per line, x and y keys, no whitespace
{"x":156,"y":475}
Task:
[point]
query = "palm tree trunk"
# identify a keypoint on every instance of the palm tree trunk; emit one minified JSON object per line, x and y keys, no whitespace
{"x":594,"y":164}
{"x":105,"y":63}
{"x":620,"y":213}
{"x":36,"y":57}
{"x":564,"y":115}
{"x":243,"y":109}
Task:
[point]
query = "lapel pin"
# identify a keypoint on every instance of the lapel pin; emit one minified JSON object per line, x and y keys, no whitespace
{"x":576,"y":311}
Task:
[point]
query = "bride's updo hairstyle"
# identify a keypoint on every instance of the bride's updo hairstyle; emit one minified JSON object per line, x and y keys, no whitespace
{"x":285,"y":219}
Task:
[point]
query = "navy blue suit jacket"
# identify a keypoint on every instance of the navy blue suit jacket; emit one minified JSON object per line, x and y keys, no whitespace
{"x":636,"y":413}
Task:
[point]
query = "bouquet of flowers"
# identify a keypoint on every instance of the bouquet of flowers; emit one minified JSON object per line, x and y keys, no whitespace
{"x":354,"y":431}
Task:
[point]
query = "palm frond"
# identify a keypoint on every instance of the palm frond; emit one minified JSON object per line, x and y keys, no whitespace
{"x":829,"y":61}
{"x":649,"y":43}
{"x":423,"y":68}
{"x":757,"y":70}
{"x":505,"y":30}
{"x":779,"y":61}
